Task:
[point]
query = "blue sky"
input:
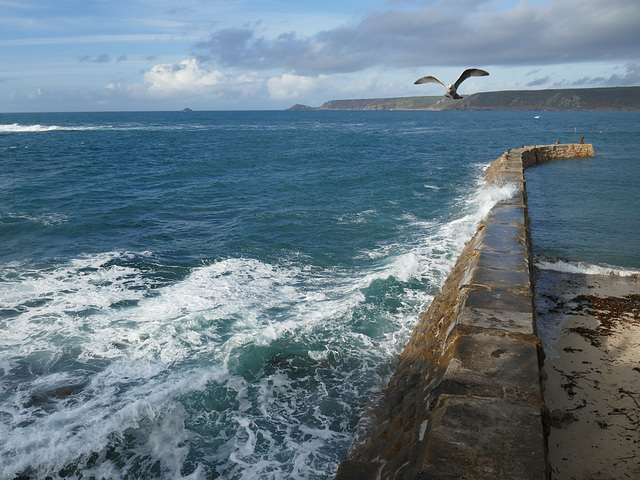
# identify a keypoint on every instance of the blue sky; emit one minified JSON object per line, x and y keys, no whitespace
{"x":100,"y":55}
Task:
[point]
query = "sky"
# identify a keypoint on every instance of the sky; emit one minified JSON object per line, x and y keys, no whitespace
{"x":132,"y":55}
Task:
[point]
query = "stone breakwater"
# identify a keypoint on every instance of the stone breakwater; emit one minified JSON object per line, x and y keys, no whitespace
{"x":466,"y":401}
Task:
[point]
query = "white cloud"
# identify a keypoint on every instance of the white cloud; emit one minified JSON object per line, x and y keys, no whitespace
{"x":188,"y":78}
{"x":289,"y":86}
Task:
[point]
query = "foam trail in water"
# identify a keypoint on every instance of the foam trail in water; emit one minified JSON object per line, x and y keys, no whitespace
{"x":17,"y":128}
{"x":567,"y":266}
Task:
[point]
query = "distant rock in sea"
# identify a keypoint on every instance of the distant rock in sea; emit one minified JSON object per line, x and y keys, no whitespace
{"x":297,"y":106}
{"x":187,"y":110}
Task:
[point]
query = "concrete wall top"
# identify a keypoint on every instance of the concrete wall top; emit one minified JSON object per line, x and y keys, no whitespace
{"x":465,"y":401}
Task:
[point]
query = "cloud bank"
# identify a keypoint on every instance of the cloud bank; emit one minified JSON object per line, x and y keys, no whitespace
{"x":560,"y":31}
{"x":443,"y":34}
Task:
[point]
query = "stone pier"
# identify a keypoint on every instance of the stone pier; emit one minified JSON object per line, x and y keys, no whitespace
{"x":465,"y":402}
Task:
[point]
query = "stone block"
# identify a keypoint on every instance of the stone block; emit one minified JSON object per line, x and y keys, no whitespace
{"x":484,"y":438}
{"x":495,"y":365}
{"x":504,"y":279}
{"x":504,"y":320}
{"x":507,"y":213}
{"x":500,"y":302}
{"x":518,"y":198}
{"x":501,"y":237}
{"x":503,"y":261}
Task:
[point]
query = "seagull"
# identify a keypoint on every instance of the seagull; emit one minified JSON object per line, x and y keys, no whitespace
{"x":452,"y":88}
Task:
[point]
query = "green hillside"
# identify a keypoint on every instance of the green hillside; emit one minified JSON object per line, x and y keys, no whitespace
{"x":617,"y":98}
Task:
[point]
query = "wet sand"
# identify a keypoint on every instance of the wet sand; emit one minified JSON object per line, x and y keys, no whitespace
{"x":590,"y":329}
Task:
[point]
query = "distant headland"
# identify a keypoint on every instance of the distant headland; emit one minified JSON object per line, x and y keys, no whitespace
{"x":616,"y":98}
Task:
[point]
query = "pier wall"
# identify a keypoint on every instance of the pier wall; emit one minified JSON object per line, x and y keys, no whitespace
{"x":465,"y":401}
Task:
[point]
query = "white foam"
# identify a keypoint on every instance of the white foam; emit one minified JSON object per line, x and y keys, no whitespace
{"x":132,"y":363}
{"x":486,"y":198}
{"x":441,"y":248}
{"x":50,"y":300}
{"x":46,"y":219}
{"x":355,"y":218}
{"x":37,"y":128}
{"x":568,"y":266}
{"x":178,"y":323}
{"x":17,"y":128}
{"x":46,"y":443}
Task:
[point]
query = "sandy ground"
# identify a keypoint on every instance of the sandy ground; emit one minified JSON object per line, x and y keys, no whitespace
{"x":590,"y":328}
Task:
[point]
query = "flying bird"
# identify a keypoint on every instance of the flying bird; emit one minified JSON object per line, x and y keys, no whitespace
{"x":452,"y":88}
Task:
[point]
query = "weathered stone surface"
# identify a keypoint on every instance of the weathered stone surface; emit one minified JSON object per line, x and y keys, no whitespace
{"x":465,"y":401}
{"x":355,"y":470}
{"x":496,"y":365}
{"x":498,"y":319}
{"x":501,"y":279}
{"x":507,"y":213}
{"x":502,"y":260}
{"x":483,"y":438}
{"x":546,"y":153}
{"x":505,"y":238}
{"x":500,"y":302}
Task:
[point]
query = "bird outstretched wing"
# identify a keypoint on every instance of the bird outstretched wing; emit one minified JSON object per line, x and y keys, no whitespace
{"x":429,"y":79}
{"x":469,"y":72}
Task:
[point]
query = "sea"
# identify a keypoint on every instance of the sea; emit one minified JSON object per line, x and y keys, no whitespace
{"x":202,"y":295}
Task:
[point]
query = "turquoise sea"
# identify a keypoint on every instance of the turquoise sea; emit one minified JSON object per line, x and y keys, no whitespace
{"x":215,"y":294}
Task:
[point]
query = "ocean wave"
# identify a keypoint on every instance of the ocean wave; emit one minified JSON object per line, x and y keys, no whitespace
{"x":37,"y":128}
{"x":17,"y":128}
{"x":46,"y":219}
{"x":110,"y":362}
{"x":568,"y":266}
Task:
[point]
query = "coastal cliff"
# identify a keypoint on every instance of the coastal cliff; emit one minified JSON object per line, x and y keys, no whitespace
{"x":618,"y":98}
{"x":466,"y":400}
